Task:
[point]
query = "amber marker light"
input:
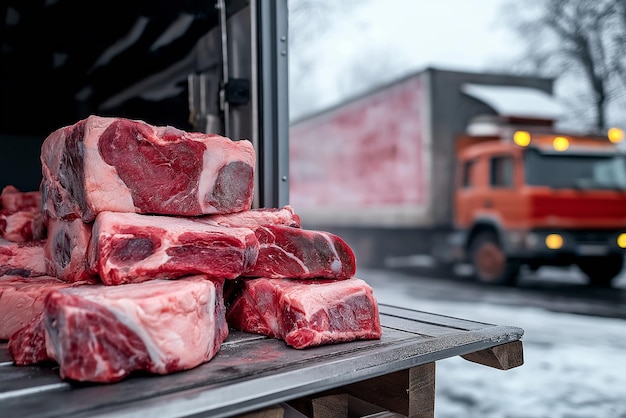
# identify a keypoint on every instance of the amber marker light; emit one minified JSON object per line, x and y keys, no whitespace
{"x":621,"y":240}
{"x":615,"y":135}
{"x":521,"y":138}
{"x":560,"y":143}
{"x":554,"y":241}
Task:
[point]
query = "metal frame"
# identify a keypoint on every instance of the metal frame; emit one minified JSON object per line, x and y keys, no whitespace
{"x":270,"y":101}
{"x":252,"y":45}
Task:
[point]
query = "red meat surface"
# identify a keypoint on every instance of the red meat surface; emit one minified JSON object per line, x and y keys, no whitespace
{"x":28,"y":344}
{"x":306,"y":313}
{"x":87,"y":169}
{"x":103,"y":333}
{"x":132,"y":248}
{"x":22,"y":226}
{"x":13,"y":200}
{"x":256,"y":217}
{"x":286,"y":252}
{"x":65,"y":250}
{"x":22,"y":299}
{"x":21,"y":215}
{"x":22,"y":258}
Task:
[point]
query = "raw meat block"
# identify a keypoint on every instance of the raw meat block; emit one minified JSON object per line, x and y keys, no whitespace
{"x":256,"y":217}
{"x":22,"y":226}
{"x":22,"y":258}
{"x":65,"y":250}
{"x":296,"y":253}
{"x":22,"y":299}
{"x":13,"y":200}
{"x":28,"y":345}
{"x":104,"y":333}
{"x":307,"y":313}
{"x":132,"y":248}
{"x":21,"y":215}
{"x":57,"y":202}
{"x":121,"y":165}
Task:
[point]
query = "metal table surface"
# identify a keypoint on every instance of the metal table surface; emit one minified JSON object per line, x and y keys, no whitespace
{"x":250,"y":372}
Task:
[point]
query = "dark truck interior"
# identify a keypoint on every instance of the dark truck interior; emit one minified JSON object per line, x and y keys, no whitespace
{"x":62,"y":60}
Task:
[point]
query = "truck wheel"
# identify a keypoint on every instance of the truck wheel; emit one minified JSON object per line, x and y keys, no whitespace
{"x":490,"y":263}
{"x":601,"y":270}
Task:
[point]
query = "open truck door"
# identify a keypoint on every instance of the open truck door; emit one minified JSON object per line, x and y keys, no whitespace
{"x":218,"y":66}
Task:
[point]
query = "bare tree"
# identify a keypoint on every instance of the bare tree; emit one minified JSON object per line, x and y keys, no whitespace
{"x":581,"y":38}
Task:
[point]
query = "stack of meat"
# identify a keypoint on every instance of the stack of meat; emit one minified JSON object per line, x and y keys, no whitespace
{"x":20,"y":215}
{"x":146,"y":226}
{"x":22,"y":233}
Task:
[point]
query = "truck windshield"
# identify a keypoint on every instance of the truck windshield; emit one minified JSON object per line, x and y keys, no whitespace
{"x":561,"y":171}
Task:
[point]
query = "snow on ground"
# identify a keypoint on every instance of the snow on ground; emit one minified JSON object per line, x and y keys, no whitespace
{"x":574,"y":366}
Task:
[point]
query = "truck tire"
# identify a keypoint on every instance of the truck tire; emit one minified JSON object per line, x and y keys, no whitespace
{"x":491,"y":265}
{"x":601,"y":270}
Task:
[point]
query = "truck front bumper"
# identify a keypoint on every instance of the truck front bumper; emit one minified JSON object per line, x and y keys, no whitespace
{"x":564,"y":246}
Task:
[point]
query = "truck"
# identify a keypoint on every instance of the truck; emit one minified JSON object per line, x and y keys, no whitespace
{"x":461,"y":168}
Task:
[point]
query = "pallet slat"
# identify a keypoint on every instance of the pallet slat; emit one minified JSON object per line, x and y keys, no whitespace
{"x":252,"y":372}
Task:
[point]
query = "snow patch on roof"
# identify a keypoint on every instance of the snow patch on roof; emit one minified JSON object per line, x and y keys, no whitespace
{"x":516,"y":101}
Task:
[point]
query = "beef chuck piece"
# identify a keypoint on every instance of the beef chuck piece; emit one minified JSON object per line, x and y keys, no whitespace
{"x":121,"y":165}
{"x":13,"y":200}
{"x":22,"y":299}
{"x":22,"y":226}
{"x":132,"y":248}
{"x":296,"y":253}
{"x":306,"y":313}
{"x":21,"y":215}
{"x":65,"y":250}
{"x":28,"y":344}
{"x":256,"y":217}
{"x":103,"y":333}
{"x":22,"y":258}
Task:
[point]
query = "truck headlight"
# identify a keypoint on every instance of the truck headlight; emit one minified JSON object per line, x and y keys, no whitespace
{"x":560,"y":143}
{"x":555,"y":241}
{"x":621,"y":240}
{"x":616,"y":135}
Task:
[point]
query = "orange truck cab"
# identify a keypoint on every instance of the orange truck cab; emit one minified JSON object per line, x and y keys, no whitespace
{"x":441,"y":168}
{"x":536,"y":197}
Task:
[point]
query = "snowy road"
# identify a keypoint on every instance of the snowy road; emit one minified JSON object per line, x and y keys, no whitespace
{"x":575,"y":365}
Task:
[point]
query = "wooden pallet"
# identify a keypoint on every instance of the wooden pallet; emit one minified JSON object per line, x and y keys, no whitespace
{"x":254,"y":375}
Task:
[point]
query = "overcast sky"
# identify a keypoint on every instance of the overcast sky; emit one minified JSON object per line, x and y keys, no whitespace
{"x":393,"y":37}
{"x":461,"y":34}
